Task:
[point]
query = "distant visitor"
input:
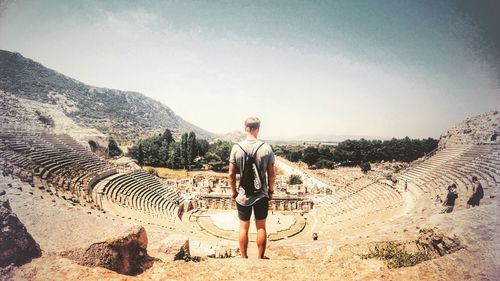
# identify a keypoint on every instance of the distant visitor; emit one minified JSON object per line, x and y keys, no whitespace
{"x":315,"y":236}
{"x":477,"y":193}
{"x":449,"y":203}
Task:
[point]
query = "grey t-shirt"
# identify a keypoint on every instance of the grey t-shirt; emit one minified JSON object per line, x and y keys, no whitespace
{"x":263,"y":159}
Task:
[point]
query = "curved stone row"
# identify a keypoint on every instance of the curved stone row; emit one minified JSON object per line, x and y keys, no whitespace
{"x":434,"y":176}
{"x":142,"y":191}
{"x":366,"y":200}
{"x":51,"y":161}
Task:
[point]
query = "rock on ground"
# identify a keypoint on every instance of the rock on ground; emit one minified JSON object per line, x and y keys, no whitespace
{"x":437,"y":243}
{"x":176,"y":246}
{"x":17,"y":246}
{"x":125,"y":254}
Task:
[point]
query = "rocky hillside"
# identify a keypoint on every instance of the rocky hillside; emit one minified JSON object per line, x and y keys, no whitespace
{"x":482,"y":128}
{"x":125,"y":115}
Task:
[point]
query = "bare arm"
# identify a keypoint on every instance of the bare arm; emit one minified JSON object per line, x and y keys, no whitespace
{"x":232,"y":179}
{"x":271,"y":178}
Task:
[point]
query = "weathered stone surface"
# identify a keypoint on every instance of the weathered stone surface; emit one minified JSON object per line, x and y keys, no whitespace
{"x":175,"y":245}
{"x":203,"y":249}
{"x":483,"y":128}
{"x":17,"y":246}
{"x":125,"y":254}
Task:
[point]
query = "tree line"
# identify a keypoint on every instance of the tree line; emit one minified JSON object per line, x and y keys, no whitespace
{"x":187,"y":153}
{"x":357,"y":152}
{"x":190,"y":152}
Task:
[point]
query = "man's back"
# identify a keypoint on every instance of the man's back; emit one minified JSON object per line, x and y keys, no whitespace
{"x":263,"y":158}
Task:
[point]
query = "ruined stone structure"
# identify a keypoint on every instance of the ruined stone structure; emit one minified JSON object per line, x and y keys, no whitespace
{"x":278,"y":203}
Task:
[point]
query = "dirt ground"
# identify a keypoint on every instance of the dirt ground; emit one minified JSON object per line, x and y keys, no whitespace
{"x":58,"y":225}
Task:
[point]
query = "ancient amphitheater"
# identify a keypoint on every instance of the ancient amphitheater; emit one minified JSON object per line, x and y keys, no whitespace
{"x":70,"y":199}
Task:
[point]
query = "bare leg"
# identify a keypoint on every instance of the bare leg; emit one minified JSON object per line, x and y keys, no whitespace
{"x":261,"y":236}
{"x":244,"y":226}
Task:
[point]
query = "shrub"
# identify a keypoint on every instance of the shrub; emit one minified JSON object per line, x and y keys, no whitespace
{"x":395,"y":255}
{"x":365,"y":167}
{"x":294,"y":179}
{"x":152,"y":171}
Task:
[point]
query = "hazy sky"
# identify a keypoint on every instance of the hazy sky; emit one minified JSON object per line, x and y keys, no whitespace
{"x":381,"y":68}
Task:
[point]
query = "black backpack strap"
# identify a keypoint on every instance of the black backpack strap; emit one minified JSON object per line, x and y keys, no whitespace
{"x":242,"y":149}
{"x":255,"y":153}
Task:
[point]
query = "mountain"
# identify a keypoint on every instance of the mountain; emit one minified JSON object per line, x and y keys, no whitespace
{"x":125,"y":115}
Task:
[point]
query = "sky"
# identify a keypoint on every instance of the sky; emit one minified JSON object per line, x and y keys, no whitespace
{"x":374,"y":68}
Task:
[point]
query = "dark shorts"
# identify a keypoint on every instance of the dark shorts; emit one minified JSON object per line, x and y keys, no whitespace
{"x":473,"y":201}
{"x":260,"y":209}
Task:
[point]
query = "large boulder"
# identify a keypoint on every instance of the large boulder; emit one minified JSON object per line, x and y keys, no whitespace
{"x":17,"y":246}
{"x":125,"y":254}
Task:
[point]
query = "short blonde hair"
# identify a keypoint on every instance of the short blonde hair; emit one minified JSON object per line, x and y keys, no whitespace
{"x":252,"y":123}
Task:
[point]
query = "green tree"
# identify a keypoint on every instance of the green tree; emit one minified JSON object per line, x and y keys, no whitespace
{"x":140,"y":156}
{"x":294,"y":156}
{"x":163,"y":154}
{"x":202,"y":147}
{"x":167,"y":136}
{"x":113,"y":148}
{"x":222,"y":149}
{"x":325,"y":164}
{"x":191,"y":149}
{"x":174,"y":155}
{"x":325,"y":153}
{"x":183,"y":149}
{"x":310,"y":155}
{"x":211,"y":158}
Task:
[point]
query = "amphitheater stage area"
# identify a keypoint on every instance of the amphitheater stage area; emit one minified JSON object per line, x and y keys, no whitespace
{"x":225,"y":224}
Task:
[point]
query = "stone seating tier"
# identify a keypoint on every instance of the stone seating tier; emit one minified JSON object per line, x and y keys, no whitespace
{"x":480,"y":160}
{"x":143,"y":192}
{"x":57,"y":160}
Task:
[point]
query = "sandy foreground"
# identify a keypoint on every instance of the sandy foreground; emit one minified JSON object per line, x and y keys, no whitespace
{"x":57,"y":225}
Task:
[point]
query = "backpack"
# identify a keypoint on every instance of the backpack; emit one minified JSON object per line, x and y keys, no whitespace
{"x":250,"y":178}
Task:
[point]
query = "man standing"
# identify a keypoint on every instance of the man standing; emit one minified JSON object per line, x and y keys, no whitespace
{"x":477,"y":193}
{"x":263,"y":157}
